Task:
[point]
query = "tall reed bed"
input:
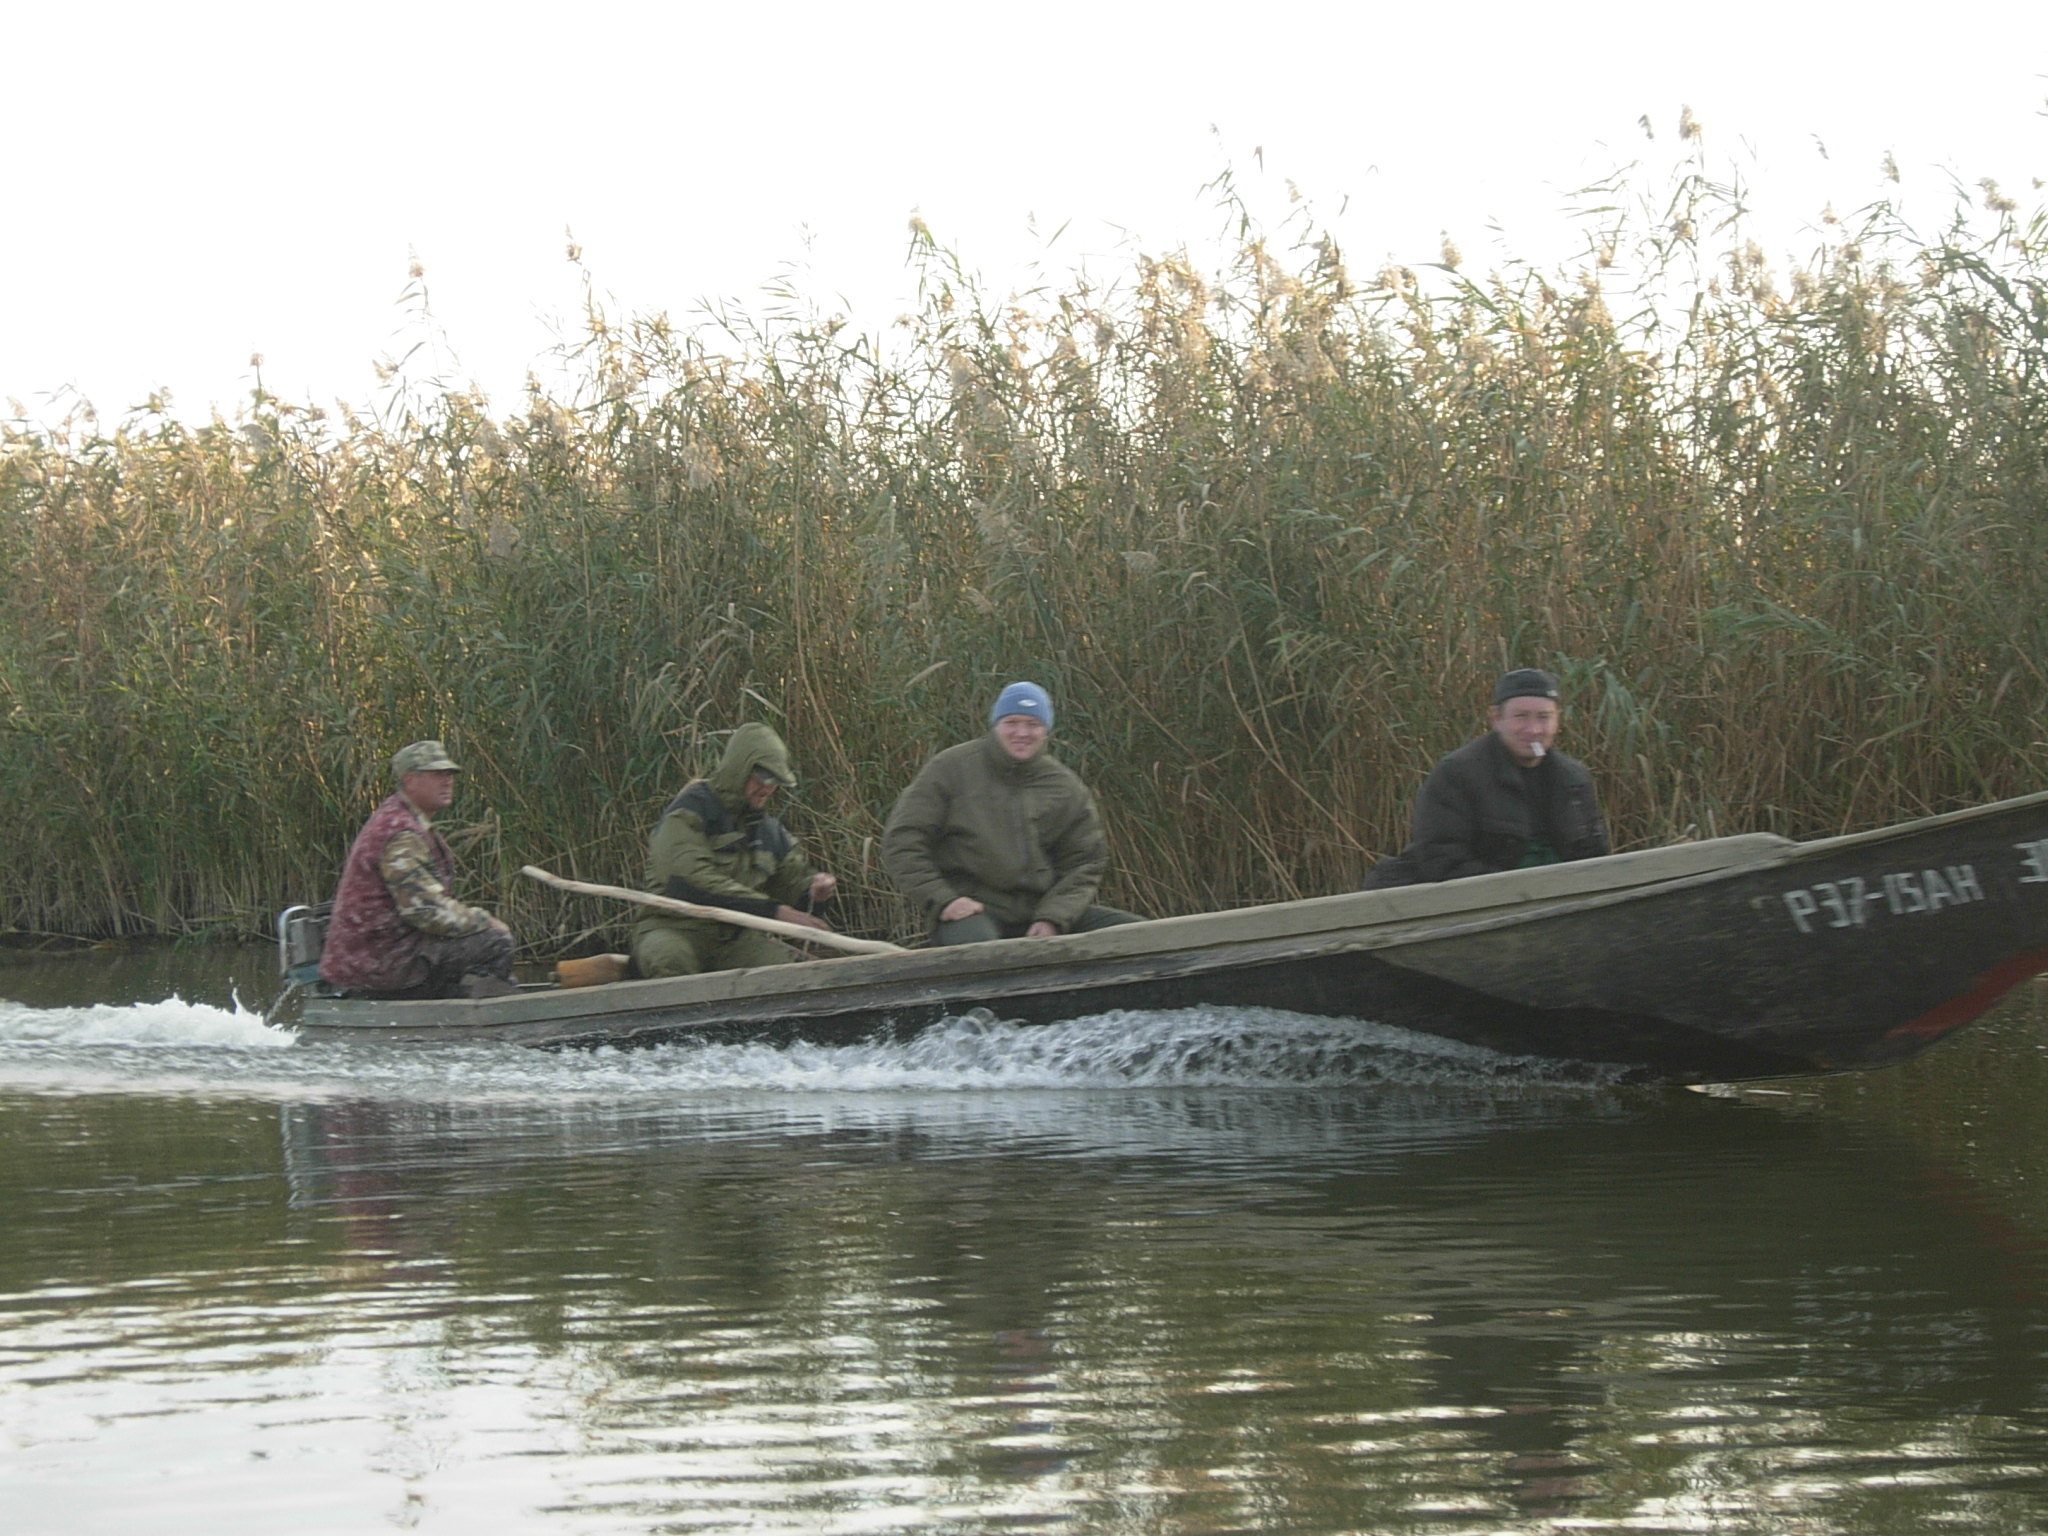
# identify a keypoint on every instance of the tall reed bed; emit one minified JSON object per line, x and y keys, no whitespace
{"x":1266,"y":533}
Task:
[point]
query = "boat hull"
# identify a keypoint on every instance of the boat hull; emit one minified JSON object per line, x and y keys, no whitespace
{"x":1845,"y":953}
{"x":1741,"y":957}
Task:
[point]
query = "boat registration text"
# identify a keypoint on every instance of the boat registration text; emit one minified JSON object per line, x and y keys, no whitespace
{"x":1851,"y":901}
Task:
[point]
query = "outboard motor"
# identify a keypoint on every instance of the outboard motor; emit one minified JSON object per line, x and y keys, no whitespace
{"x":301,"y":936}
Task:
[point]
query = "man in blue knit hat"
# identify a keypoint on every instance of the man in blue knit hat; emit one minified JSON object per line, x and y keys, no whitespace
{"x":998,"y":839}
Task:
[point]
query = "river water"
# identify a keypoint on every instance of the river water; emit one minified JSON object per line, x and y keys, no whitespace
{"x":1184,"y":1273}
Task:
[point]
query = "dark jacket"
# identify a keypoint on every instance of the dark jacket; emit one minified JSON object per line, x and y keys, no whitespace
{"x":714,"y":849}
{"x":1023,"y":839}
{"x":1480,"y":811}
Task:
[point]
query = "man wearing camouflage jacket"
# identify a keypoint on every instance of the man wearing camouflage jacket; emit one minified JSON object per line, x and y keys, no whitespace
{"x":396,"y":930}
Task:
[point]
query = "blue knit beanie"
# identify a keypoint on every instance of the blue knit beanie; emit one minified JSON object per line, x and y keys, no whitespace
{"x":1022,"y":699}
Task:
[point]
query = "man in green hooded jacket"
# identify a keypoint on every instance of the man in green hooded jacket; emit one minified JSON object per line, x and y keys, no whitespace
{"x":998,"y":839}
{"x":717,"y":846}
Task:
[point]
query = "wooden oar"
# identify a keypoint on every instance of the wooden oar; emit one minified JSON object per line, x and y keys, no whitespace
{"x":717,"y":914}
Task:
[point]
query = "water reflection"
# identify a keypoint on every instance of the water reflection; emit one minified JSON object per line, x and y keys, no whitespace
{"x":632,"y":1293}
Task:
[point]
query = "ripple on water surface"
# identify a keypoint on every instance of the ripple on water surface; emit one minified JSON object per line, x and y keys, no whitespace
{"x":1191,"y":1270}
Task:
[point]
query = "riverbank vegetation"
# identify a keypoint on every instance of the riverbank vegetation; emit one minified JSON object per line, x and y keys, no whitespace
{"x":1266,"y":532}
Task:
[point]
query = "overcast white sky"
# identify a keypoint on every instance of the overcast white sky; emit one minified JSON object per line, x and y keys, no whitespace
{"x":188,"y":184}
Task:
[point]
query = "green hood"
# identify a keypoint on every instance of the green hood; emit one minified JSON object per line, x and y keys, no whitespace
{"x":752,"y":746}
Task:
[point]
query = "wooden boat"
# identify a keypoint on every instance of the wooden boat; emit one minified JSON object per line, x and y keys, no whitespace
{"x":1739,"y":957}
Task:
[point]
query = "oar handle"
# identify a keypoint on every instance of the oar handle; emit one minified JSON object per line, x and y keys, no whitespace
{"x":773,"y":925}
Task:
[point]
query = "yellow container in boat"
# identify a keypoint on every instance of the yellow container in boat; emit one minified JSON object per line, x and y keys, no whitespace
{"x":593,"y":971}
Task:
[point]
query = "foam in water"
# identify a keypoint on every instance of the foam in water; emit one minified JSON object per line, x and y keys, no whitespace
{"x":172,"y":1022}
{"x":1197,"y":1047}
{"x":1180,"y":1047}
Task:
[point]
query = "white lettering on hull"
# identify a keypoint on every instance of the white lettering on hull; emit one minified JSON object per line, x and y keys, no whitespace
{"x":1853,"y":900}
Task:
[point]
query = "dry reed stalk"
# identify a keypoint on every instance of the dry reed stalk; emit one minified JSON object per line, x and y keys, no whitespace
{"x":1265,"y":532}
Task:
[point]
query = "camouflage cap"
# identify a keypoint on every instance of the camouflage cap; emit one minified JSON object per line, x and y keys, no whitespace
{"x":421,"y":757}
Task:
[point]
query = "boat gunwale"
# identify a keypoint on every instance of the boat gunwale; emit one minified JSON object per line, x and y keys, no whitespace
{"x":1001,"y":967}
{"x":1133,"y":953}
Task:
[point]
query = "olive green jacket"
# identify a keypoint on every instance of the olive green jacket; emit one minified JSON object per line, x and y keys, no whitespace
{"x":1023,"y":839}
{"x":713,"y":848}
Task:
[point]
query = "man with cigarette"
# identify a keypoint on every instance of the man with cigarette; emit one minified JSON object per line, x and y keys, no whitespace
{"x":1504,"y":801}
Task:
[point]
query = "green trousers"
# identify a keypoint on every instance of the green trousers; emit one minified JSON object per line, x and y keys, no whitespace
{"x":693,"y":948}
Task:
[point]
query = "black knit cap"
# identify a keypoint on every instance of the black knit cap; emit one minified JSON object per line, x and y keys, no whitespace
{"x":1525,"y":683}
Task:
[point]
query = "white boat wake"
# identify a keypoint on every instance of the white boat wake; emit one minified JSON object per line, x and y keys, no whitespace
{"x":177,"y":1046}
{"x":172,"y":1022}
